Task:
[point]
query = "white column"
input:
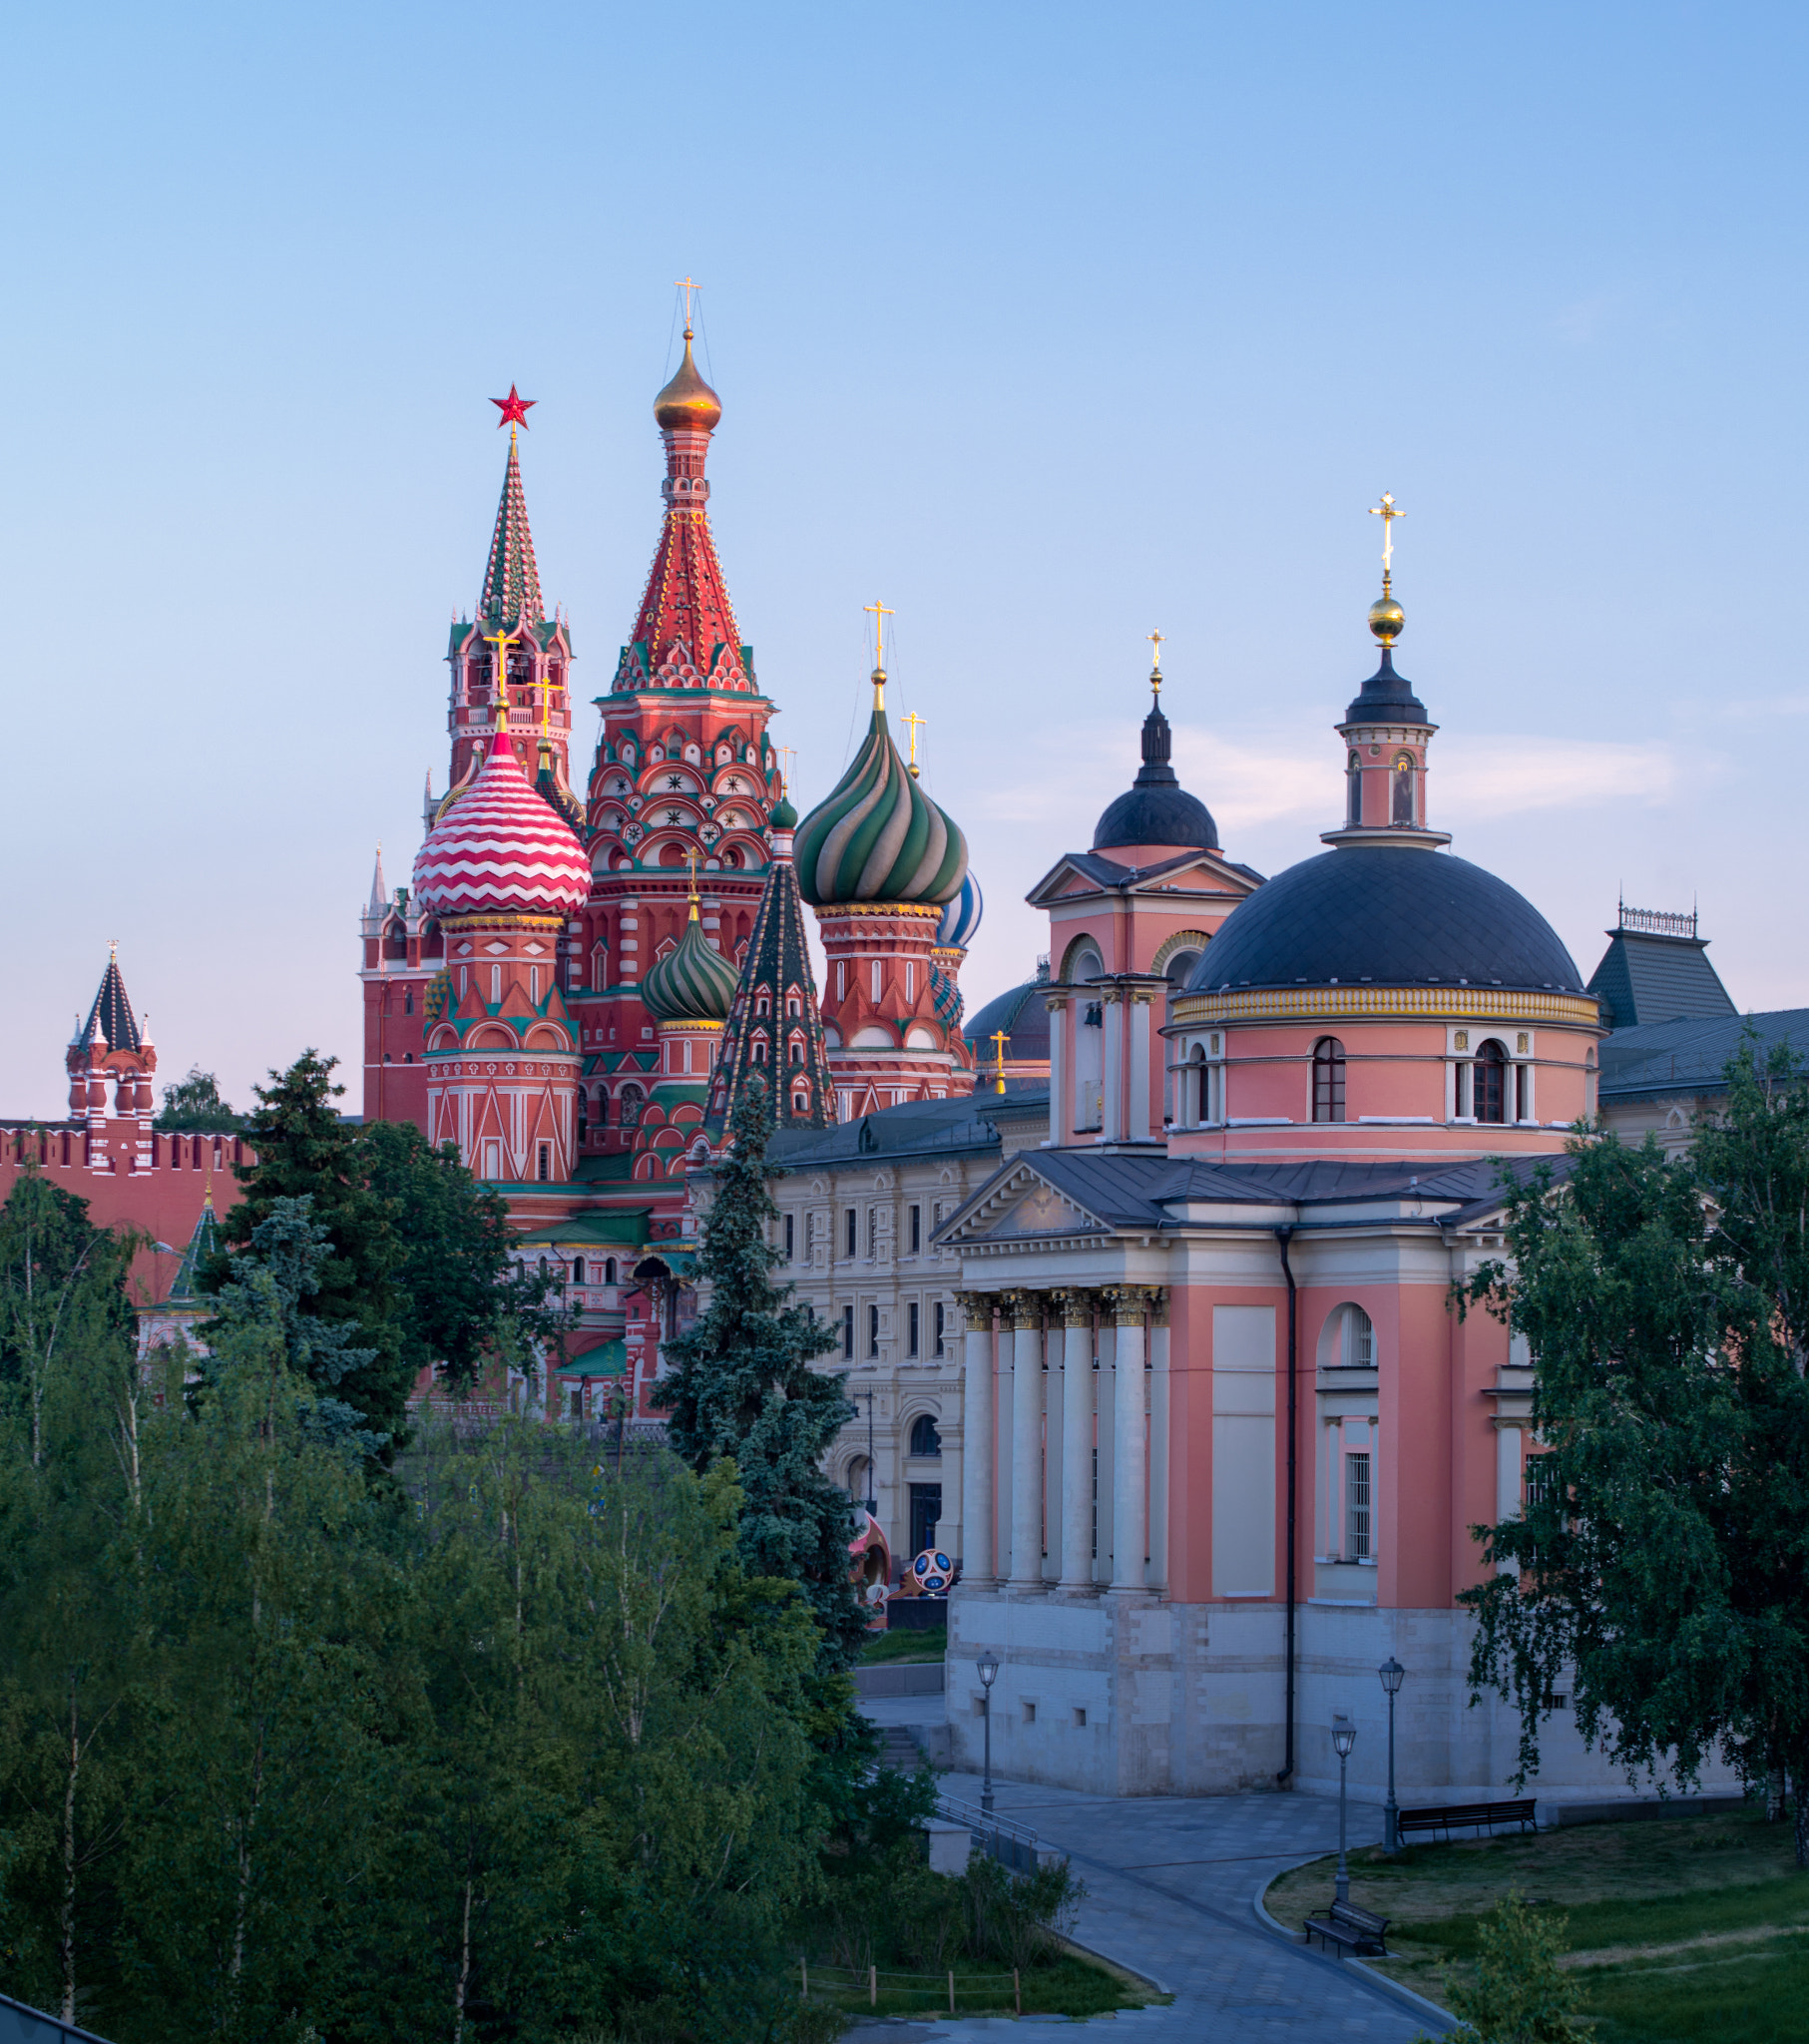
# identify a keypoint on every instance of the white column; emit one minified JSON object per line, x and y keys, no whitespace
{"x":977,"y":1438}
{"x":1077,"y":1440}
{"x":1158,"y":1443}
{"x":1053,"y":1435}
{"x":1111,"y":1119}
{"x":1127,"y":1486}
{"x":1026,"y":1441}
{"x":1104,"y":1424}
{"x":1060,"y":1106}
{"x":1137,"y":1016}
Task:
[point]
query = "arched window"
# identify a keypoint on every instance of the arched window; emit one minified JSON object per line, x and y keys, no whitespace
{"x":1200,"y":1081}
{"x":1328,"y":1080}
{"x":609,"y":1270}
{"x":631,"y":1100}
{"x":797,"y":1052}
{"x":577,"y":1277}
{"x":925,"y":1441}
{"x":1488,"y":1083}
{"x":1353,"y":800}
{"x":1359,"y":1339}
{"x":1403,"y":788}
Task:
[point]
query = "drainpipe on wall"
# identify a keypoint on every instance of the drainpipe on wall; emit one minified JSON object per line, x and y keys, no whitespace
{"x":1281,"y":1243}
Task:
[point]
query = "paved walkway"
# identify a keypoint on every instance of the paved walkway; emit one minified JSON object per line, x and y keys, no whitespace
{"x":1171,"y":1884}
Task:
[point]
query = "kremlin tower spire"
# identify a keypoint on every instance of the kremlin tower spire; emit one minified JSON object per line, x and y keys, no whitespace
{"x":510,"y":655}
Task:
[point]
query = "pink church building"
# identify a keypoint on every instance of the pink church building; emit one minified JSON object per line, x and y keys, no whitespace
{"x":1223,"y":1434}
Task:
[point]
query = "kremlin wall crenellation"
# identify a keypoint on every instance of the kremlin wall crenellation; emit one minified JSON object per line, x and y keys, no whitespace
{"x":1160,"y":1240}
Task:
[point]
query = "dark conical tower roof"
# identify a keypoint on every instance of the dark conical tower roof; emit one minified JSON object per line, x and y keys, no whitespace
{"x":511,"y":597}
{"x":112,"y":1014}
{"x":777,"y":965}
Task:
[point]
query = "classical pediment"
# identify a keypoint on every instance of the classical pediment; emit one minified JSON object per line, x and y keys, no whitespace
{"x":1018,"y":1205}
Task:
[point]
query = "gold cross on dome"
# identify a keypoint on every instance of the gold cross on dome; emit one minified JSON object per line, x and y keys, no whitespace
{"x":1388,"y":514}
{"x":690,"y":860}
{"x":915,"y":723}
{"x":881,"y":612}
{"x":999,"y":1038}
{"x":1156,"y":664}
{"x":685,"y":284}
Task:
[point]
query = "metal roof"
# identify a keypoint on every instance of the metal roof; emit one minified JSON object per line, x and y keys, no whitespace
{"x":1644,"y":978}
{"x":1693,"y":1054}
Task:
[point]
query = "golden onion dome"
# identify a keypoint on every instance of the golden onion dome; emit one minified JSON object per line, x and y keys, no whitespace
{"x":1386,"y":618}
{"x":688,"y":400}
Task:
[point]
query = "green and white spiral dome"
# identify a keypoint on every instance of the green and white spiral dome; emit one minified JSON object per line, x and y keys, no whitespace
{"x":879,"y":838}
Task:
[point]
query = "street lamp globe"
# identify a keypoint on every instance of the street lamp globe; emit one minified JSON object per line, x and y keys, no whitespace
{"x":1344,"y":1737}
{"x":988,"y":1665}
{"x":1393,"y":1674}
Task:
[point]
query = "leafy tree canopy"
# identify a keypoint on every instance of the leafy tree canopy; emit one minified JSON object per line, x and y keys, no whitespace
{"x":1662,"y":1553}
{"x":742,"y":1389}
{"x":195,"y":1104}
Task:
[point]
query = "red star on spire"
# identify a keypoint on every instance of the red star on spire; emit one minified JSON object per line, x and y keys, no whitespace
{"x":514,"y":408}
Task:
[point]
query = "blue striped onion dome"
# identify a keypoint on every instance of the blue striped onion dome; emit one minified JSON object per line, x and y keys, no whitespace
{"x":945,"y":997}
{"x":879,"y":838}
{"x":691,"y":984}
{"x":961,"y":918}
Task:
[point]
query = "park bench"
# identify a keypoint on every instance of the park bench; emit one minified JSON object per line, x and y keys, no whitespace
{"x":1349,"y":1927}
{"x":1462,"y":1815}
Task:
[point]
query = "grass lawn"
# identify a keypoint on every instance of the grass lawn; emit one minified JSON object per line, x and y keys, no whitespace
{"x":1066,"y":1986}
{"x":882,"y":1648}
{"x":1689,"y":1929}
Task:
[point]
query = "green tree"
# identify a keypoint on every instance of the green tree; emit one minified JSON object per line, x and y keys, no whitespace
{"x":1663,"y":1552}
{"x":61,"y":1286}
{"x":193,"y":1102}
{"x":464,"y":1301}
{"x":304,"y":1149}
{"x":1521,"y":1995}
{"x":741,"y":1389}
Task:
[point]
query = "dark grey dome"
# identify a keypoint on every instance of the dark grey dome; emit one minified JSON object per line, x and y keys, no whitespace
{"x":1389,"y":914}
{"x":1023,"y":1017}
{"x":1157,"y":809}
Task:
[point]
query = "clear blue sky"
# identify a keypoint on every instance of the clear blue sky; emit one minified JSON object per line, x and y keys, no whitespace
{"x":1049,"y":323}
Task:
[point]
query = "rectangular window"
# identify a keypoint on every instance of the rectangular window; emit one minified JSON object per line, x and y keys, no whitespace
{"x":495,"y":986}
{"x":788,"y":1227}
{"x":875,"y":978}
{"x":847,"y":1333}
{"x":910,"y":980}
{"x":534,"y":984}
{"x":1356,"y":1507}
{"x":937,"y":1310}
{"x":872,"y":1330}
{"x":544,"y":1164}
{"x":872,"y":1231}
{"x":911,"y":1330}
{"x":926,"y":1512}
{"x":809,"y":1237}
{"x":916,"y":1229}
{"x":841,"y":979}
{"x":1523,"y":1093}
{"x":854,"y":1224}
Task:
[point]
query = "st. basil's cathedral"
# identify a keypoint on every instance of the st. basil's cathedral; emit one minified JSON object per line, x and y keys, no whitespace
{"x":575,"y":988}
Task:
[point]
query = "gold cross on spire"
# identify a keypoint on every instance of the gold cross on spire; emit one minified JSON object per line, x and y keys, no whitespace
{"x":685,"y":284}
{"x":787,"y":754}
{"x":1388,"y":514}
{"x":502,"y":641}
{"x":1155,"y":664}
{"x":914,"y":723}
{"x":880,"y":613}
{"x":690,"y":860}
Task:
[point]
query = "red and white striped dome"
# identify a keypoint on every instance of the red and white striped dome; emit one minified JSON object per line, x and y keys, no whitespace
{"x":501,"y":848}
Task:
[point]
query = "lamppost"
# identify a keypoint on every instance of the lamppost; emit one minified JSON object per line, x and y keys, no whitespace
{"x":1393,"y":1674}
{"x":988,"y":1665}
{"x":1344,"y":1737}
{"x":871,"y":1501}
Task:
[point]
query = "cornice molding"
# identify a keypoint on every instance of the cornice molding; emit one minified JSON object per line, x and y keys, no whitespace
{"x":1457,"y":1003}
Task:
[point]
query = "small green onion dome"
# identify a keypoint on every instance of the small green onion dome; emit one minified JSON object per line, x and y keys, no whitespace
{"x":784,"y":816}
{"x":691,"y":984}
{"x":879,"y":838}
